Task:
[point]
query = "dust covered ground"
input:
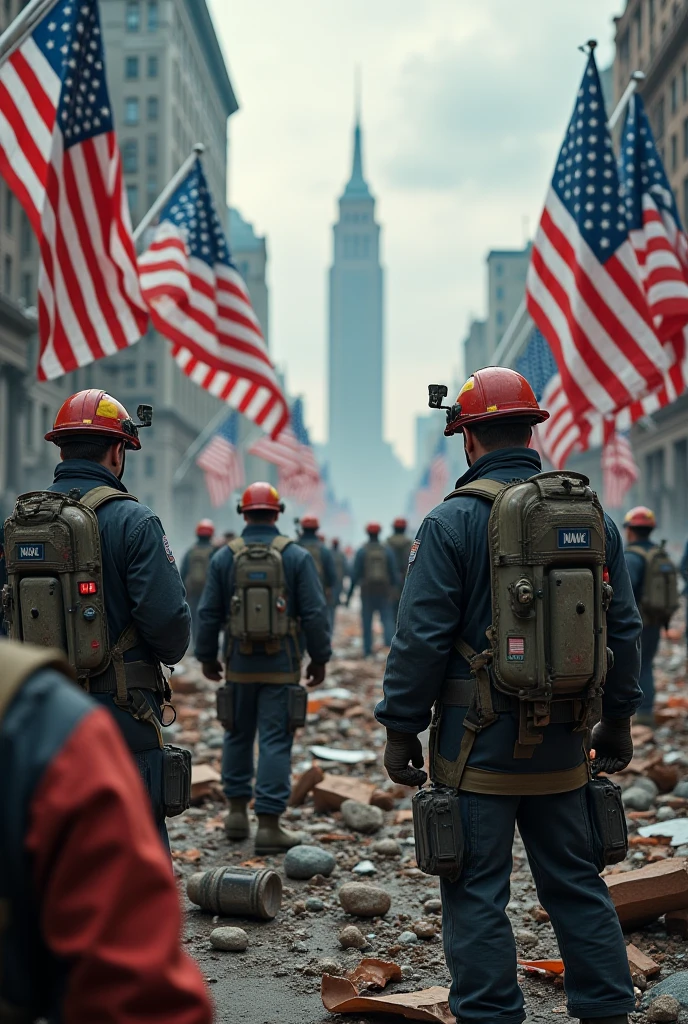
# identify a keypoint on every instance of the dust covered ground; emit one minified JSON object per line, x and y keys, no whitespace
{"x":277,"y":979}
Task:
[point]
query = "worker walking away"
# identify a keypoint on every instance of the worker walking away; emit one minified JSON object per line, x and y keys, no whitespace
{"x":655,"y":587}
{"x":341,"y":568}
{"x":263,"y":590}
{"x":324,"y":562}
{"x":512,"y":581}
{"x":194,"y":567}
{"x":91,"y":571}
{"x":90,"y":920}
{"x":374,"y":570}
{"x":684,"y":577}
{"x":400,"y":545}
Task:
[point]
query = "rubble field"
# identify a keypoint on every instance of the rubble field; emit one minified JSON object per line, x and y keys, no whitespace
{"x":354,"y":895}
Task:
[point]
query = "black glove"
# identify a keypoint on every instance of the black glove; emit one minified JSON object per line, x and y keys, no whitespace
{"x":212,"y":670}
{"x":315,"y":674}
{"x":401,"y":748}
{"x":613,"y":746}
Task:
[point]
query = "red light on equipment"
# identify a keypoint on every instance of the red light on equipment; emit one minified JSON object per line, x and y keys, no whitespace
{"x":88,"y":588}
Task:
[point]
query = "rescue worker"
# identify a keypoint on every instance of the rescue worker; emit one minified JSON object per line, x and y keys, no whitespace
{"x":324,"y":562}
{"x":90,"y":929}
{"x":194,"y":568}
{"x":341,"y":568}
{"x":144,"y":594}
{"x":3,"y":573}
{"x":263,"y":675}
{"x":374,"y":570}
{"x":639,"y":523}
{"x":400,"y":545}
{"x":446,"y":606}
{"x":684,"y":576}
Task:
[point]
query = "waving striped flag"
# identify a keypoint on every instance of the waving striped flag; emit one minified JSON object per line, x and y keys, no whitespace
{"x":619,"y":469}
{"x":222,"y":463}
{"x":199,"y":301}
{"x":291,"y":449}
{"x":585,"y":290}
{"x":59,"y":155}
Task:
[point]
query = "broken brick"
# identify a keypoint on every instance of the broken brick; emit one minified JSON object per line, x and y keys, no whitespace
{"x":382,"y":799}
{"x":676,"y":922}
{"x":640,"y":963}
{"x":204,"y":781}
{"x":305,"y":783}
{"x":643,"y":895}
{"x":333,"y":790}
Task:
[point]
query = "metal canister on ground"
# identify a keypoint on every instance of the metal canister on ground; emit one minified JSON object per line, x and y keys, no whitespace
{"x":237,"y":892}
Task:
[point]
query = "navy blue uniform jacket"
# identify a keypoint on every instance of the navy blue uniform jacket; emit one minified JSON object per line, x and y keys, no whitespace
{"x":637,"y":565}
{"x":309,"y":541}
{"x":447,"y":595}
{"x":305,"y":602}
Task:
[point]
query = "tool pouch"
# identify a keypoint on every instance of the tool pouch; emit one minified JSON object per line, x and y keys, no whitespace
{"x":225,"y":705}
{"x":608,"y":819}
{"x":298,"y":706}
{"x":438,"y":832}
{"x":176,"y":780}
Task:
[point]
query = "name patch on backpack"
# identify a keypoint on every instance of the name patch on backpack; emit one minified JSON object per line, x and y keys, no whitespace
{"x":573,"y":538}
{"x":31,"y":552}
{"x":257,"y":575}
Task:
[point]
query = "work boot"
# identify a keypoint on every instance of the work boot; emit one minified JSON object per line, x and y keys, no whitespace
{"x":236,"y":822}
{"x":272,"y":838}
{"x":619,"y":1018}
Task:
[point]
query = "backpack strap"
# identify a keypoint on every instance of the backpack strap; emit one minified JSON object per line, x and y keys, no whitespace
{"x":19,"y":661}
{"x":488,"y":489}
{"x":98,"y":496}
{"x":279,"y":543}
{"x":644,"y":553}
{"x":236,"y":545}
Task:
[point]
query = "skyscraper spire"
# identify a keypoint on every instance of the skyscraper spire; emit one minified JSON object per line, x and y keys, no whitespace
{"x":357,"y":185}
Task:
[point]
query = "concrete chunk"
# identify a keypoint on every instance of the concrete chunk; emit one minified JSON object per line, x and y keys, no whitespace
{"x":330,"y":794}
{"x":644,"y":895}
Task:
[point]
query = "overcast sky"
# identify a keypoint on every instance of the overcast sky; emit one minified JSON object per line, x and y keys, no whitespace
{"x":464,"y":108}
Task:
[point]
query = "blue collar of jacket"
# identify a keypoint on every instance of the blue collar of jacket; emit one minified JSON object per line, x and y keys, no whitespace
{"x":258,"y":533}
{"x":505,"y":464}
{"x":84,"y":469}
{"x":646,"y":544}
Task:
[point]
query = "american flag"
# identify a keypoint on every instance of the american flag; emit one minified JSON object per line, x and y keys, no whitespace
{"x":222,"y":463}
{"x":199,"y":301}
{"x":560,"y":435}
{"x":433,"y":484}
{"x":291,"y":450}
{"x":584,"y":289}
{"x":619,"y":469}
{"x":59,"y":155}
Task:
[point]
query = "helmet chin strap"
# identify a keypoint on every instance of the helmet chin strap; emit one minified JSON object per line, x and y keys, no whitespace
{"x":465,"y":451}
{"x":124,"y":459}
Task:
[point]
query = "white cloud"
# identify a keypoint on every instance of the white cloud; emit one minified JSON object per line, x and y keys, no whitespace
{"x":464,"y":108}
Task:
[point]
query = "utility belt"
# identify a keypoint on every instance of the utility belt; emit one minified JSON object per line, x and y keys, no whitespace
{"x":139,"y":675}
{"x":297,"y":702}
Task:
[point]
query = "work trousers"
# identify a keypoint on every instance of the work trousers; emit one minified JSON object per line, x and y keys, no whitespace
{"x":649,"y":642}
{"x":478,"y":941}
{"x":383,"y":606}
{"x":261,"y":708}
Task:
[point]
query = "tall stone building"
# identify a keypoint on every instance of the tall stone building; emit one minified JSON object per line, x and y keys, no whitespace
{"x":364,"y":468}
{"x":169,"y":88}
{"x":506,"y":282}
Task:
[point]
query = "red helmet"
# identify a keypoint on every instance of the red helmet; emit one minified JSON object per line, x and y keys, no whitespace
{"x":310,"y":523}
{"x":95,"y":412}
{"x":492,"y":393}
{"x":400,"y":523}
{"x":373,"y":528}
{"x":260,"y":495}
{"x":640,"y":516}
{"x":205,"y":528}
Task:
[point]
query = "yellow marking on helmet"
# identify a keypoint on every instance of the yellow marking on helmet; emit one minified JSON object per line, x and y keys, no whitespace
{"x":493,"y":408}
{"x":107,"y":409}
{"x":468,"y":386}
{"x":273,"y":493}
{"x":87,"y":421}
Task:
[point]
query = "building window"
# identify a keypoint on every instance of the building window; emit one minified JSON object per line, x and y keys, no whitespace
{"x":27,"y":289}
{"x":152,"y":188}
{"x":7,"y":7}
{"x":499,"y":293}
{"x":7,"y":276}
{"x":9,"y":212}
{"x":25,"y":236}
{"x":150,"y":374}
{"x":29,"y":424}
{"x":500,"y":318}
{"x":131,"y":68}
{"x":131,"y":110}
{"x":499,"y":269}
{"x":674,"y":95}
{"x":638,"y":19}
{"x":674,"y":152}
{"x":684,"y":82}
{"x":133,"y":201}
{"x":153,"y":65}
{"x":685,"y":138}
{"x":133,"y":15}
{"x":659,"y":118}
{"x":153,"y":13}
{"x":130,"y":156}
{"x":624,"y":48}
{"x":152,"y":108}
{"x":152,"y":151}
{"x":129,"y":375}
{"x":46,"y":420}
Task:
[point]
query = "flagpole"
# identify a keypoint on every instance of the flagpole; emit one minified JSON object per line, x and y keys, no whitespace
{"x":196,"y":446}
{"x":22,"y":27}
{"x":169,"y":190}
{"x":636,"y":78}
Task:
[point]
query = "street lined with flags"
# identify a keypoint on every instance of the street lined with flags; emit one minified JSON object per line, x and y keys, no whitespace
{"x":222,"y":462}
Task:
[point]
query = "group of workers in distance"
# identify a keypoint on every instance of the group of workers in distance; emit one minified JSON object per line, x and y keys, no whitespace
{"x":492,"y":614}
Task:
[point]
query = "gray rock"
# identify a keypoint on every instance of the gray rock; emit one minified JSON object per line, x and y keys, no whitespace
{"x":299,"y":947}
{"x":350,"y":937}
{"x":234,"y":940}
{"x":407,"y":938}
{"x":675,"y":985}
{"x":637,"y":798}
{"x":328,"y":966}
{"x":424,"y":929}
{"x":681,"y":789}
{"x":362,"y":817}
{"x":663,"y":1009}
{"x":314,"y":905}
{"x":306,"y":861}
{"x":665,"y":813}
{"x":643,"y":782}
{"x":364,"y":900}
{"x":433,"y":906}
{"x":406,"y":971}
{"x":365,"y":867}
{"x":682,"y":851}
{"x":525,"y":938}
{"x":386,"y":848}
